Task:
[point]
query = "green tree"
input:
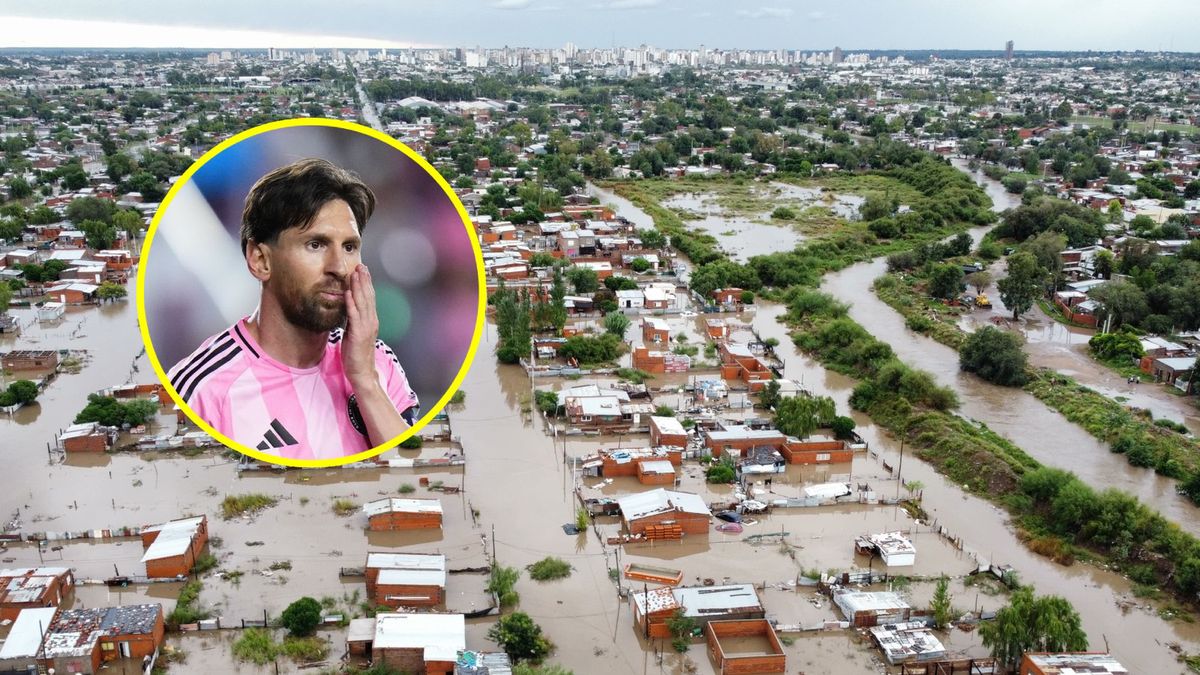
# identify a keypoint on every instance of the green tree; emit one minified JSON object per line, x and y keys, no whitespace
{"x":6,"y":292}
{"x":98,"y":234}
{"x":19,"y":188}
{"x":301,"y":617}
{"x":652,"y":239}
{"x":110,"y":291}
{"x":91,"y":208}
{"x":558,"y":301}
{"x":980,"y":280}
{"x":994,"y":355}
{"x":503,"y":580}
{"x":1121,"y":300}
{"x":584,"y":279}
{"x":23,"y":391}
{"x":940,"y":606}
{"x":128,"y":221}
{"x":877,"y":206}
{"x":799,"y":416}
{"x":721,"y":472}
{"x":946,"y":281}
{"x":110,"y":412}
{"x":1102,"y":264}
{"x":520,"y":637}
{"x":1033,"y":624}
{"x":639,"y":265}
{"x":1023,"y":284}
{"x":682,"y":628}
{"x":842,"y":426}
{"x":768,"y":396}
{"x":1116,"y":212}
{"x":512,"y":325}
{"x":616,"y":323}
{"x":118,"y":166}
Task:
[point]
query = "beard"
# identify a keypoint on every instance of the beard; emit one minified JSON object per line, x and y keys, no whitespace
{"x":314,"y":313}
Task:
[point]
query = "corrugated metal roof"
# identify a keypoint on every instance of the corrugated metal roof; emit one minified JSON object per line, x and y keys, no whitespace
{"x":441,"y":635}
{"x":660,"y":500}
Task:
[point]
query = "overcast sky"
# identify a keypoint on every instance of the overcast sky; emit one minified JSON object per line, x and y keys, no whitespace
{"x":1154,"y":25}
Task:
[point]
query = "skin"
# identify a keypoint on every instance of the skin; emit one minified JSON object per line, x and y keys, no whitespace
{"x":312,"y":279}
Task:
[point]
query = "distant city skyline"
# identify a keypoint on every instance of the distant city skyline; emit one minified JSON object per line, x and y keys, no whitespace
{"x":1033,"y":25}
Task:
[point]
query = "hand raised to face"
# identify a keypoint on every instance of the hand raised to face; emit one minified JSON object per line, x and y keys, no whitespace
{"x":362,"y":328}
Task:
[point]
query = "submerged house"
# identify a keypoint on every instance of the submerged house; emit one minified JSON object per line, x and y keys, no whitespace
{"x":662,"y":513}
{"x":31,"y":587}
{"x":172,"y":548}
{"x":406,"y":579}
{"x":652,"y":608}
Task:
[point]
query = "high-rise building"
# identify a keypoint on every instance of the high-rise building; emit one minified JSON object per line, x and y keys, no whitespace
{"x":837,"y":55}
{"x":1008,"y":49}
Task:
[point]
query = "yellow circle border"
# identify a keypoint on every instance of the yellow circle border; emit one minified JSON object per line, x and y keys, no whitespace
{"x":144,"y":260}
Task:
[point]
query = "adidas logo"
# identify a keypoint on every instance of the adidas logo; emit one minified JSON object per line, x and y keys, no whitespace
{"x":276,"y":437}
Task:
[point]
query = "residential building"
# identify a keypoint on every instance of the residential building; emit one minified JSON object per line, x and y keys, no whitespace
{"x":745,"y":647}
{"x":1071,"y":663}
{"x":406,"y":579}
{"x":33,"y":587}
{"x":662,"y":513}
{"x":393,"y":513}
{"x":652,"y":608}
{"x":173,"y":547}
{"x":411,"y":643}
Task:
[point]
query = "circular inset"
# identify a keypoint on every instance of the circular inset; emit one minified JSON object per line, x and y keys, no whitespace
{"x":307,"y":288}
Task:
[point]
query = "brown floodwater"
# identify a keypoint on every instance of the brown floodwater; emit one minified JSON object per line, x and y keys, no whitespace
{"x":517,"y":480}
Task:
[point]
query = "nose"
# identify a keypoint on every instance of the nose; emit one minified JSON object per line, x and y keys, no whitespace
{"x":340,"y":263}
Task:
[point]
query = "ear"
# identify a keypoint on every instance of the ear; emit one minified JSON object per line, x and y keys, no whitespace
{"x":258,"y":260}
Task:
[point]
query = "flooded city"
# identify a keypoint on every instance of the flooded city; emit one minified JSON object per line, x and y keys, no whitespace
{"x":697,"y":434}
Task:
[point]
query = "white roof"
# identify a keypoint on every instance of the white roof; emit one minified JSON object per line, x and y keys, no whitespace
{"x":660,"y":500}
{"x":708,"y":600}
{"x":598,"y":405}
{"x":853,"y":602}
{"x":668,"y":425}
{"x":1177,"y":362}
{"x":441,"y":635}
{"x":407,"y":561}
{"x":892,"y":543}
{"x":68,"y":254}
{"x":25,"y":638}
{"x":633,"y":293}
{"x":361,"y":630}
{"x":411,"y":578}
{"x":173,"y":538}
{"x":742,"y":432}
{"x":827,"y":490}
{"x":656,"y":323}
{"x":394,"y":505}
{"x":659,"y":294}
{"x":77,"y":430}
{"x":658,"y":466}
{"x":1154,"y":342}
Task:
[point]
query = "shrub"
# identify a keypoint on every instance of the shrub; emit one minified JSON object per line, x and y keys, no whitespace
{"x":237,"y":505}
{"x":994,"y":355}
{"x":344,"y":507}
{"x":301,"y":617}
{"x":548,"y":569}
{"x":520,"y":637}
{"x":721,"y":472}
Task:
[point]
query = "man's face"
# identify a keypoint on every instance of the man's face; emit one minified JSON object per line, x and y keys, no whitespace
{"x":310,"y":268}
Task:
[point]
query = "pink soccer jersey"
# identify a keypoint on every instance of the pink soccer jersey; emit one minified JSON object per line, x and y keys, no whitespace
{"x":297,"y":413}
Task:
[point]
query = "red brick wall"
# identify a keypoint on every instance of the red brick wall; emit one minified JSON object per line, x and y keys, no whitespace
{"x":805,"y":452}
{"x":690,"y":522}
{"x":405,"y":521}
{"x":429,"y":596}
{"x":90,"y":443}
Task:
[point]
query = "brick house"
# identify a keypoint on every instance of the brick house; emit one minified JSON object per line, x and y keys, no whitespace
{"x":172,"y":548}
{"x":30,"y":359}
{"x":655,"y":331}
{"x":739,"y":363}
{"x":722,"y":635}
{"x":412,"y":643}
{"x":738,"y":438}
{"x":667,"y":431}
{"x":403,"y":514}
{"x":660,"y":511}
{"x":817,"y":450}
{"x":702,"y":603}
{"x":406,"y":579}
{"x":83,"y":640}
{"x":32,"y":587}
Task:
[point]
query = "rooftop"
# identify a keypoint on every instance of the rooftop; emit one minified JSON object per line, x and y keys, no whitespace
{"x":25,"y":638}
{"x":659,"y":500}
{"x":173,"y":538}
{"x":1077,"y":663}
{"x":75,"y":631}
{"x":397,"y":505}
{"x":441,"y":636}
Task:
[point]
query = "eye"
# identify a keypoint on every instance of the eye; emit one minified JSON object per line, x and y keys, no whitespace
{"x":314,"y":245}
{"x":351,"y":248}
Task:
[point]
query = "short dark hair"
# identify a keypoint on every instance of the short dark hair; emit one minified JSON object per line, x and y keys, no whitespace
{"x":291,"y":196}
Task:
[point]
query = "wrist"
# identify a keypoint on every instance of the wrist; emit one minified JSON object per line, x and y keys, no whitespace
{"x":365,"y":384}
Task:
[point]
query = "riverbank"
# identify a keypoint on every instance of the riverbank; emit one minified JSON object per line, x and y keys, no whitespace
{"x":1129,"y":431}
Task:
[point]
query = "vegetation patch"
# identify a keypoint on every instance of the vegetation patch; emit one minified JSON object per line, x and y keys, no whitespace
{"x":548,"y":569}
{"x":234,"y":506}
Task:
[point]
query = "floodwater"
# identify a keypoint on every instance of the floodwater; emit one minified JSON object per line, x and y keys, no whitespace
{"x":1113,"y":618}
{"x":517,"y":480}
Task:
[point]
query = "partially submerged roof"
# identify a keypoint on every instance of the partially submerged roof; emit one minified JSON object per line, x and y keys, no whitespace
{"x":441,"y":636}
{"x":668,"y":425}
{"x":25,"y":638}
{"x":397,"y":505}
{"x":657,"y":501}
{"x":853,"y":602}
{"x":1071,"y":663}
{"x":173,"y":538}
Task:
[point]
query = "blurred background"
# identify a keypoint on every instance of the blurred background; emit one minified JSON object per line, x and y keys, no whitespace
{"x":419,"y":253}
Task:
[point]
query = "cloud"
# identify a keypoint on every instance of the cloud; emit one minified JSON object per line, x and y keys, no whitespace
{"x":816,"y":15}
{"x":766,"y":13}
{"x":628,"y":4}
{"x":512,"y":4}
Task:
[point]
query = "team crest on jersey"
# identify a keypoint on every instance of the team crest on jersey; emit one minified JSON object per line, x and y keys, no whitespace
{"x":355,"y":415}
